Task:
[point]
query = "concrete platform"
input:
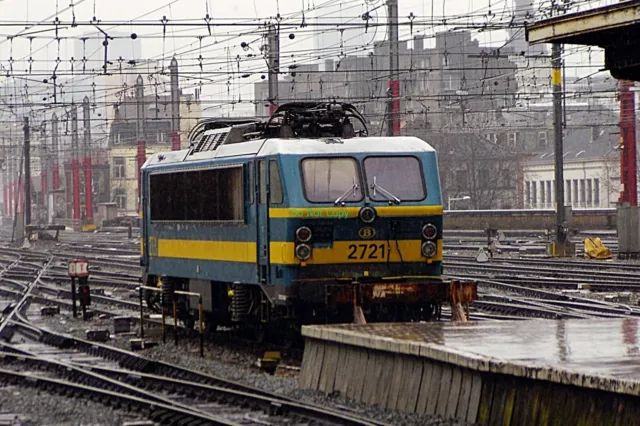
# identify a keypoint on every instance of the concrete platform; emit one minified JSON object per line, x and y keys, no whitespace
{"x":572,"y":372}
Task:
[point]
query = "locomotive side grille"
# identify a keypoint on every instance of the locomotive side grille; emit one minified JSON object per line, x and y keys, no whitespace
{"x":210,"y":142}
{"x":198,"y":147}
{"x":219,"y":140}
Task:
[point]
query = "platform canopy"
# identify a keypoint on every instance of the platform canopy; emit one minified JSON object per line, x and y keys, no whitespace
{"x":616,"y":28}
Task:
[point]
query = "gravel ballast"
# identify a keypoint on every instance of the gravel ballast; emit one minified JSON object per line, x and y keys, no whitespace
{"x":34,"y":407}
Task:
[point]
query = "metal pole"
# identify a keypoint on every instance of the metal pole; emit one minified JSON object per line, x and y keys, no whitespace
{"x":164,"y":330}
{"x":141,"y":314}
{"x":175,"y":105}
{"x":175,"y":321}
{"x":55,"y":148}
{"x":44,"y":170}
{"x":75,"y":162}
{"x":140,"y":133}
{"x":273,"y":40}
{"x":628,"y":163}
{"x":5,"y":179}
{"x":201,"y":325}
{"x":10,"y":176}
{"x":88,"y":185}
{"x":556,"y":79}
{"x":394,"y":86}
{"x":27,"y":173}
{"x":73,"y":297}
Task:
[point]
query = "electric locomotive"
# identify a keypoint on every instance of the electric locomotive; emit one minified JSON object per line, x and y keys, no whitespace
{"x":302,"y":218}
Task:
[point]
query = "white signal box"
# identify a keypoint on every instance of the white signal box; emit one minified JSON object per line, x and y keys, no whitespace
{"x":79,"y":268}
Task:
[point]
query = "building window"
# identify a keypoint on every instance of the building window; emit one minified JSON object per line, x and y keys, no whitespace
{"x":576,"y":194}
{"x":542,"y":194}
{"x":451,"y":82}
{"x":512,"y":139}
{"x":568,"y":186}
{"x":492,"y":137}
{"x":119,"y":167}
{"x":160,"y":137}
{"x":589,"y":192}
{"x":542,"y":139}
{"x":583,"y":197}
{"x":534,"y":195}
{"x":549,"y":194}
{"x":596,"y":192}
{"x":120,"y":198}
{"x":527,"y":194}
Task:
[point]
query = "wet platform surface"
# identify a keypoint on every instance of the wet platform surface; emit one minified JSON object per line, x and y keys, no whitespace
{"x":514,"y":373}
{"x":603,"y":347}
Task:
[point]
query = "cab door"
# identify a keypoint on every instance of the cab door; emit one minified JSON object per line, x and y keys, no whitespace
{"x":262,"y":215}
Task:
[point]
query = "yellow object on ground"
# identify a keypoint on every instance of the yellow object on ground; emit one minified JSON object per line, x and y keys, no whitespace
{"x":594,"y":249}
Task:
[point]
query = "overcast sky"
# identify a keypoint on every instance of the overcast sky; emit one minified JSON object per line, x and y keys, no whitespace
{"x":220,"y":50}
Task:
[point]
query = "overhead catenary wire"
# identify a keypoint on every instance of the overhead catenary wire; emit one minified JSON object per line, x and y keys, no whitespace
{"x":186,"y":77}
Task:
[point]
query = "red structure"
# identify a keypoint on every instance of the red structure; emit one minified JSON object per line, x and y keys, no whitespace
{"x":75,"y":170}
{"x":394,"y":85}
{"x":12,"y":192}
{"x":19,"y":191}
{"x":141,"y":157}
{"x":628,"y":162}
{"x":43,"y":180}
{"x":88,"y":188}
{"x":7,"y":197}
{"x":175,"y":141}
{"x":56,"y":175}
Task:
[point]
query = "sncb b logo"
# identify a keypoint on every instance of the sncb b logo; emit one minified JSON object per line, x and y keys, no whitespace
{"x":367,"y":233}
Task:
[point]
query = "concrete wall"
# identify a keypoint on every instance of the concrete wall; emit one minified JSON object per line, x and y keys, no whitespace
{"x":596,"y":219}
{"x":422,"y":385}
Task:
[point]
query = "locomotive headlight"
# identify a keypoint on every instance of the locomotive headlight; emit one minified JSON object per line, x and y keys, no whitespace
{"x":303,"y":251}
{"x":429,"y":231}
{"x":303,"y":234}
{"x":367,"y":214}
{"x":429,"y":249}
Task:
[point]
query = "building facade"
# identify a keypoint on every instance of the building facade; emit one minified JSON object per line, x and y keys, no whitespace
{"x":591,"y":172}
{"x":123,"y":142}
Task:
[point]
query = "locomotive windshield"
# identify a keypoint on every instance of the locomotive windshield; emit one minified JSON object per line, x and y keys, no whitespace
{"x":330,"y":179}
{"x":395,"y":179}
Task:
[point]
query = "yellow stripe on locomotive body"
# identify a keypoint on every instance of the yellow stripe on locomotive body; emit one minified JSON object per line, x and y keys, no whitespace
{"x":282,"y":252}
{"x":225,"y":251}
{"x":351,"y":212}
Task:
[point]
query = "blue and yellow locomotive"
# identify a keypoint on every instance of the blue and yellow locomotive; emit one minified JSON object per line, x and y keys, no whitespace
{"x":300,"y":219}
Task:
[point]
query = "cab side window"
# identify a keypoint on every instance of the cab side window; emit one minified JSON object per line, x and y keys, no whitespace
{"x":275,"y":183}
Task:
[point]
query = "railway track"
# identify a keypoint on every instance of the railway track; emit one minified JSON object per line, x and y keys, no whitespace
{"x":36,"y":357}
{"x":551,"y":277}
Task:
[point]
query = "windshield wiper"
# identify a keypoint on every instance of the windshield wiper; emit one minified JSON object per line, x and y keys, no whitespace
{"x":353,"y":188}
{"x":384,"y":192}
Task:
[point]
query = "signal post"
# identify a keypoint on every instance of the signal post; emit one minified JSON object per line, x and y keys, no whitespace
{"x":79,"y":269}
